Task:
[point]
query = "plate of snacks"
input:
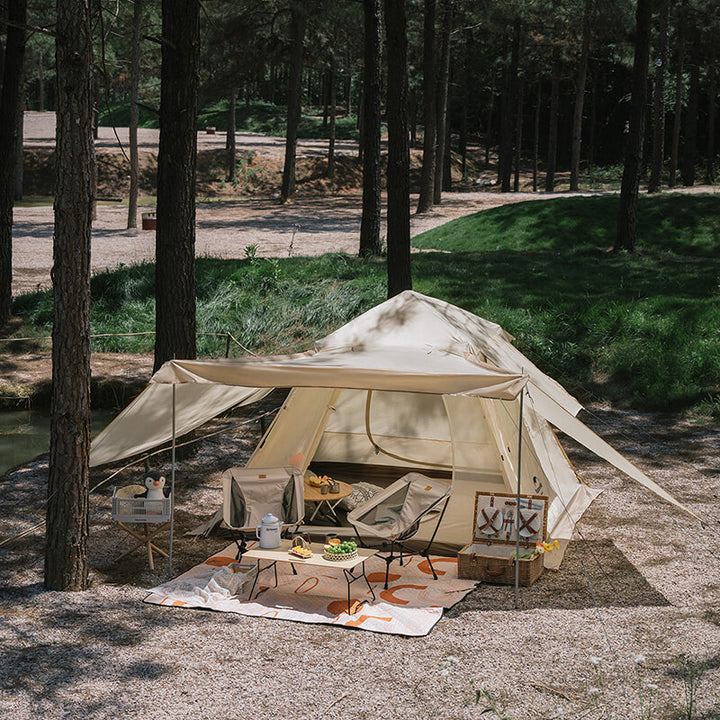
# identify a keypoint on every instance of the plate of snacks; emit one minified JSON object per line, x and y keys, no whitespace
{"x":300,"y":548}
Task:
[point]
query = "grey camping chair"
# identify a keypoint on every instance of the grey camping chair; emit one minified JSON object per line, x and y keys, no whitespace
{"x":393,"y":516}
{"x":251,"y":493}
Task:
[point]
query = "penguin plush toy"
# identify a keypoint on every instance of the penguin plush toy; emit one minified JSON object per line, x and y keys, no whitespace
{"x":154,"y":488}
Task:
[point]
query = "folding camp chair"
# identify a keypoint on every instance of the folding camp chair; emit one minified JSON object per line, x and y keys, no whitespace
{"x":251,"y":493}
{"x":394,"y":515}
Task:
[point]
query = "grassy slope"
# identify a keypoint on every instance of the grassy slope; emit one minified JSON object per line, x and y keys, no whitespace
{"x":640,"y":328}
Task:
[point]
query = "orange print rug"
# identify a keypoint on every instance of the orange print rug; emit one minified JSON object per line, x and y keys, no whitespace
{"x":411,"y":605}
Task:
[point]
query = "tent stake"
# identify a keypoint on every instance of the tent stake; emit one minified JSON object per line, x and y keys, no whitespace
{"x":517,"y":506}
{"x":172,"y":487}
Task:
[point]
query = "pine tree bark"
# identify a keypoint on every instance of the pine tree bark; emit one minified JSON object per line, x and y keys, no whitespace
{"x":41,"y":83}
{"x":690,"y":141}
{"x":677,"y":118}
{"x":509,"y":99}
{"x":518,"y":133}
{"x":580,"y":99}
{"x":712,"y":112}
{"x":398,"y":172}
{"x":443,"y":86}
{"x":536,"y":135}
{"x":10,"y":109}
{"x":332,"y":113}
{"x":370,"y":134}
{"x":658,"y":137}
{"x":230,"y":145}
{"x":134,"y":115}
{"x":627,"y":213}
{"x":298,"y":18}
{"x":66,"y":566}
{"x":553,"y":121}
{"x":427,"y":176}
{"x":175,"y":234}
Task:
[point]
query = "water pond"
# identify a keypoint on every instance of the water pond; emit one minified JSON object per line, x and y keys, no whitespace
{"x":25,"y":434}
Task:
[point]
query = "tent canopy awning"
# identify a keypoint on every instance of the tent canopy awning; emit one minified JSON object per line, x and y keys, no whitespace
{"x":437,"y":371}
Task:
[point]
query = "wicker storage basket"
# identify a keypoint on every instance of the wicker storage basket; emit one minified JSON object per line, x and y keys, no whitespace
{"x":475,"y":563}
{"x":497,"y":522}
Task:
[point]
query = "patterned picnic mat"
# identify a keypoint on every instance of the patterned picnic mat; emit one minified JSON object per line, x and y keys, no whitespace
{"x":411,"y":605}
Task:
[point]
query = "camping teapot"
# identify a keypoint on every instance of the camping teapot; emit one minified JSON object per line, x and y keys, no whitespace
{"x":269,"y":532}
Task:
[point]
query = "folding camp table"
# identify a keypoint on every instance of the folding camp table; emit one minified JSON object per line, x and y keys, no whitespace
{"x":282,"y":555}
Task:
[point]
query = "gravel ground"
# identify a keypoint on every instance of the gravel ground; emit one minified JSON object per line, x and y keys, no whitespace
{"x":572,"y":650}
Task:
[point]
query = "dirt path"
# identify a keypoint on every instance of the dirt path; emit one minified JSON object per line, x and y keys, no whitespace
{"x":313,"y":223}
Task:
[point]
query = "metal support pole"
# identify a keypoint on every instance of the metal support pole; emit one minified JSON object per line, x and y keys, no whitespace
{"x":517,"y":506}
{"x":172,"y":487}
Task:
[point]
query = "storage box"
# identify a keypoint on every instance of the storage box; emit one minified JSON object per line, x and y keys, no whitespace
{"x":490,"y":556}
{"x":139,"y":510}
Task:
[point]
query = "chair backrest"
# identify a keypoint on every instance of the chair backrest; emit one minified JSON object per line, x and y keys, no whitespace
{"x":251,"y":493}
{"x":392,"y":513}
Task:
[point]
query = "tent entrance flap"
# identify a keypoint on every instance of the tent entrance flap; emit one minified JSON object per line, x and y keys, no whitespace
{"x":293,"y":436}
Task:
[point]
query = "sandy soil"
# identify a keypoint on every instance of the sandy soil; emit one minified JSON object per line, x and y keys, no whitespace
{"x":598,"y":639}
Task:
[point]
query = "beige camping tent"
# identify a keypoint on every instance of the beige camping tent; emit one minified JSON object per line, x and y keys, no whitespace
{"x":414,"y":383}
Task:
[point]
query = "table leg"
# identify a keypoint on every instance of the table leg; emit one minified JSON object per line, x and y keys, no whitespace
{"x":351,"y":578}
{"x":257,"y":575}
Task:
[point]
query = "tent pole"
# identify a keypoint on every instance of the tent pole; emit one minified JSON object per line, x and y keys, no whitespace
{"x":517,"y":506}
{"x":172,"y":487}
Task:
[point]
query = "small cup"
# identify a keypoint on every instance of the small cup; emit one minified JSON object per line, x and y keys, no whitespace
{"x":324,"y":489}
{"x":334,"y":487}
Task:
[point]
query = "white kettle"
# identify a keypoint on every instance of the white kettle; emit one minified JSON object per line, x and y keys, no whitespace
{"x":269,"y":532}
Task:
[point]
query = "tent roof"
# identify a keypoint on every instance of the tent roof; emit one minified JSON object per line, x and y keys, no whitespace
{"x":413,"y":320}
{"x":400,"y":369}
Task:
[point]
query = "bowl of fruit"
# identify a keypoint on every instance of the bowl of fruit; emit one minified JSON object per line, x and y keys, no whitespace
{"x":345,"y":550}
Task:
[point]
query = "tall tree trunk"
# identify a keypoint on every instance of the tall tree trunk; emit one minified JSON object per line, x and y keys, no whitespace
{"x":677,"y":118}
{"x":690,"y":141}
{"x":658,"y":136}
{"x":489,"y":126}
{"x":627,"y":213}
{"x":67,"y":527}
{"x":333,"y":110}
{"x":370,"y":135}
{"x":230,"y":146}
{"x":9,"y":108}
{"x":427,"y":182}
{"x":443,"y":85}
{"x":398,"y":172}
{"x":41,"y":83}
{"x":175,"y":235}
{"x":712,"y":110}
{"x":518,"y":133}
{"x":134,"y":115}
{"x":509,"y":100}
{"x":580,"y":98}
{"x":412,"y":116}
{"x":19,"y":134}
{"x":536,"y":135}
{"x":592,"y":132}
{"x":298,"y":17}
{"x":553,"y":121}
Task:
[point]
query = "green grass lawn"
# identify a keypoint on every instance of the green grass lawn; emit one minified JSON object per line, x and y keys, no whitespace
{"x":638,"y":329}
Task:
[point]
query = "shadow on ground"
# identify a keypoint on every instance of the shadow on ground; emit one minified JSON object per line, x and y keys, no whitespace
{"x":596,"y":564}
